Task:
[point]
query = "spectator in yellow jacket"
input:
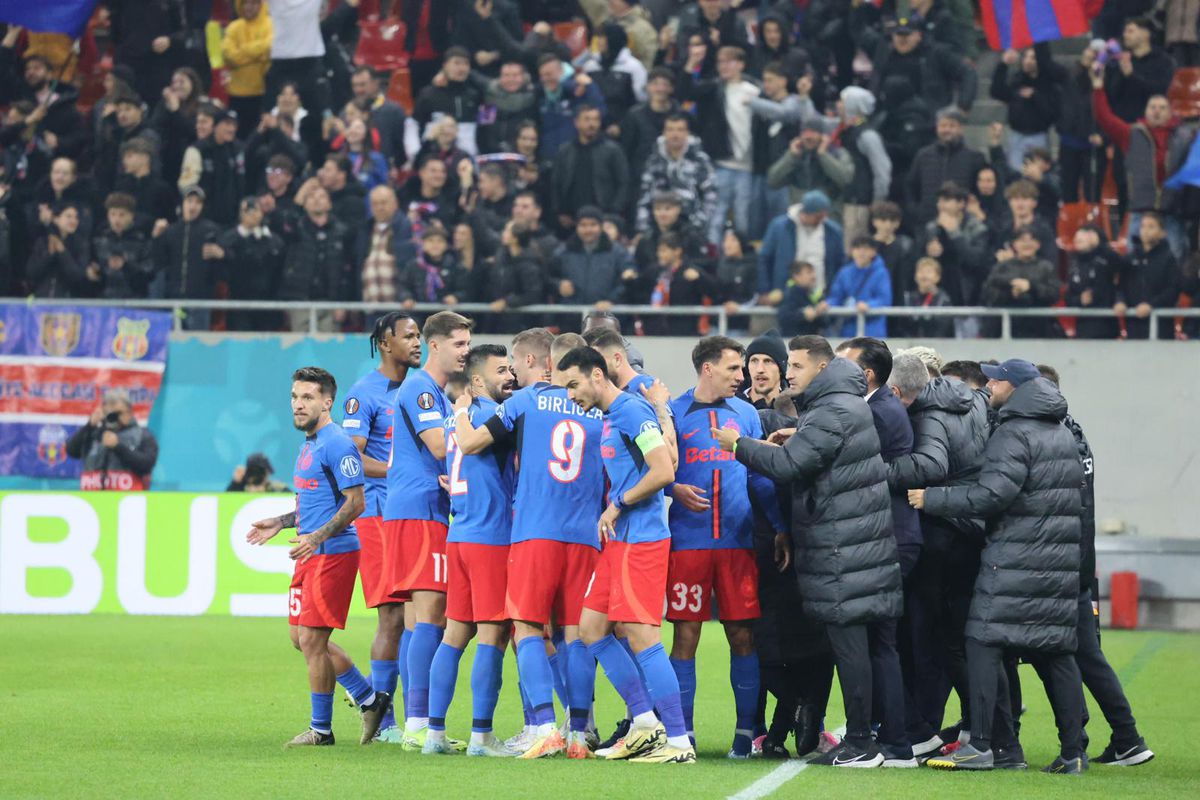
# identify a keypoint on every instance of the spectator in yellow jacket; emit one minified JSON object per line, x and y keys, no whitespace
{"x":247,"y":52}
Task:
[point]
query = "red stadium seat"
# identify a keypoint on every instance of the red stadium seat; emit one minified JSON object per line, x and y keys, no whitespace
{"x":1072,"y":217}
{"x":573,"y":35}
{"x":1184,"y":92}
{"x":381,"y":45}
{"x":400,"y":88}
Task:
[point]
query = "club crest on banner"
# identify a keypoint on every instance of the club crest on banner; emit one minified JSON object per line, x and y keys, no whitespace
{"x":59,"y":333}
{"x":131,"y":341}
{"x":52,"y":445}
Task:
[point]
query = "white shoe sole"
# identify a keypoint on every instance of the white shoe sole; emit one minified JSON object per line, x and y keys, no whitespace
{"x":1132,"y":761}
{"x":927,"y":747}
{"x":862,"y":763}
{"x":899,"y":763}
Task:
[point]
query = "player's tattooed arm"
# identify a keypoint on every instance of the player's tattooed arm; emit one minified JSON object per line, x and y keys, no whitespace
{"x":265,"y":529}
{"x":307,"y":544}
{"x":660,"y":396}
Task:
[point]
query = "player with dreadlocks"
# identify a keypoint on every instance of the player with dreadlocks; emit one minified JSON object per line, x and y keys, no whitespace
{"x":368,"y":421}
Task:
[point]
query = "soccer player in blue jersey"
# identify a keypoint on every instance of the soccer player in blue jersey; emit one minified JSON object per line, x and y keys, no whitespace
{"x":630,"y":581}
{"x":711,"y":521}
{"x":328,"y":478}
{"x":416,"y":514}
{"x":369,"y":410}
{"x":481,"y":490}
{"x":554,"y":543}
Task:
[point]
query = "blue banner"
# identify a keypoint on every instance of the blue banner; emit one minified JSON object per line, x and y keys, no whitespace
{"x":56,"y":362}
{"x":48,"y":16}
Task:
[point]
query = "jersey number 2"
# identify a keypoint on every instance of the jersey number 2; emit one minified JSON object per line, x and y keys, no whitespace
{"x":457,"y":484}
{"x":568,"y":458}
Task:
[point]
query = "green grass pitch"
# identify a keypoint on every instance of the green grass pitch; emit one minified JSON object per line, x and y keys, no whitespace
{"x":134,"y":707}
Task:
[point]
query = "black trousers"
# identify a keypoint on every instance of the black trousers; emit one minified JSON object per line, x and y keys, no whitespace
{"x":943,"y":583}
{"x":306,"y":74}
{"x":869,"y":671}
{"x":991,"y":722}
{"x":1084,"y":167}
{"x":1100,"y":679}
{"x":914,"y":643}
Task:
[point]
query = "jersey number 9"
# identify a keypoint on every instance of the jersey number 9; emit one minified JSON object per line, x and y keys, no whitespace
{"x":566,"y":445}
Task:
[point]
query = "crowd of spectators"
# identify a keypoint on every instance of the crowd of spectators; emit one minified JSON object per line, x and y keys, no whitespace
{"x":799,"y":154}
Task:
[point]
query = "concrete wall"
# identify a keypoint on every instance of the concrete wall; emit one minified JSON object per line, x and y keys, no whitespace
{"x":1137,"y":401}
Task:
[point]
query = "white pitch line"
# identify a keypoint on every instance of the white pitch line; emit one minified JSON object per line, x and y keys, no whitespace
{"x":771,"y":781}
{"x":777,"y":777}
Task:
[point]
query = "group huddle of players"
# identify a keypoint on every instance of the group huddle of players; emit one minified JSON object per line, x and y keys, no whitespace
{"x":518,"y":497}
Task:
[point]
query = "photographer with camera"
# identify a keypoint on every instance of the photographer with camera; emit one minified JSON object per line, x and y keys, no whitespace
{"x":117,"y":453}
{"x":254,"y":476}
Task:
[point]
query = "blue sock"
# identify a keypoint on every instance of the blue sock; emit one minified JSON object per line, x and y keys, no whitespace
{"x":663,"y":687}
{"x":558,"y":668}
{"x":425,"y":639}
{"x":322,"y":712}
{"x":744,"y":677}
{"x":685,"y":673}
{"x":443,"y":676}
{"x":526,"y":708}
{"x":486,"y":676}
{"x":402,"y":667}
{"x":538,"y":678}
{"x":622,"y":674}
{"x":384,"y":675}
{"x":353,"y":682}
{"x":581,"y":683}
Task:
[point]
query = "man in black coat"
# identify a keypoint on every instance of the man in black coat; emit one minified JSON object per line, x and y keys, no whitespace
{"x":1026,"y":594}
{"x":947,"y":159}
{"x":589,"y":171}
{"x":190,"y":258}
{"x":845,"y":554}
{"x":316,"y":265}
{"x":950,"y":432}
{"x":1127,"y":748}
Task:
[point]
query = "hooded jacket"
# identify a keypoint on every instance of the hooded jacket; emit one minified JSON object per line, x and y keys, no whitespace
{"x":247,"y":51}
{"x":950,"y":432}
{"x":691,"y":176}
{"x":846,"y":557}
{"x":778,"y":250}
{"x":1028,"y":491}
{"x":595,"y":273}
{"x":871,"y":285}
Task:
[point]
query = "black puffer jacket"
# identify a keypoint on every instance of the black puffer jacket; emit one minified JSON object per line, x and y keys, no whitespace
{"x":950,"y":433}
{"x":1087,"y":519}
{"x":1028,"y":490}
{"x":841,"y":513}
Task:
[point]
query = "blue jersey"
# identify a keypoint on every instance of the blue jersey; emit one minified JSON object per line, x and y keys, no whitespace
{"x":637,"y":383}
{"x":560,"y":483}
{"x":728,"y":486}
{"x":369,"y":409}
{"x":481,"y":485}
{"x":630,"y":431}
{"x":412,"y":480}
{"x":328,"y":464}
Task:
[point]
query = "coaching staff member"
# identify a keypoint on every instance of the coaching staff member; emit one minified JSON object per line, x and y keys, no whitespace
{"x":117,"y":453}
{"x":1027,"y":591}
{"x":845,"y":554}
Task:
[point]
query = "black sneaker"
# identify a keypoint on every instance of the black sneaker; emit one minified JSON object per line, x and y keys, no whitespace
{"x":1009,"y":757}
{"x":774,"y":748}
{"x":617,"y":735}
{"x":372,"y":716}
{"x":898,"y":757}
{"x":1126,"y":756}
{"x":807,"y":730}
{"x":847,"y":754}
{"x":964,"y":758}
{"x":1063,"y":766}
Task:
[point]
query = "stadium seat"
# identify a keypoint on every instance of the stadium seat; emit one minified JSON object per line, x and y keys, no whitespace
{"x":573,"y":35}
{"x":1184,"y":92}
{"x":1072,"y":217}
{"x":381,"y":45}
{"x":400,"y":88}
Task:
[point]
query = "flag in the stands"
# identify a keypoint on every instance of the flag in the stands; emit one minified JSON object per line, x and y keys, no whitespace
{"x":49,"y":16}
{"x":1022,"y":23}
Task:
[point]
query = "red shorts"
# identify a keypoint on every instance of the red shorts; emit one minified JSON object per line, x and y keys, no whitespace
{"x":630,"y":582}
{"x":376,"y":564}
{"x":321,"y":590}
{"x":547,"y":578}
{"x":420,"y":561}
{"x":478,"y":574}
{"x":695,"y":575}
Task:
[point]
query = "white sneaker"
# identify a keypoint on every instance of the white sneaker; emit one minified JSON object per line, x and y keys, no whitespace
{"x":522,"y":741}
{"x":927,"y":747}
{"x":491,"y":747}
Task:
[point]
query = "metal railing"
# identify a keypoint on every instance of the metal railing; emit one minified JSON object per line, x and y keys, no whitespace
{"x":717,"y":313}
